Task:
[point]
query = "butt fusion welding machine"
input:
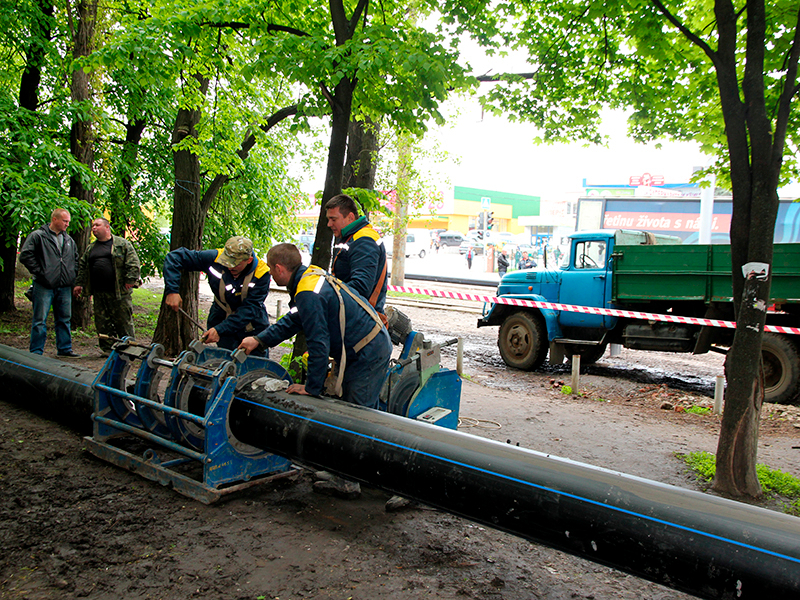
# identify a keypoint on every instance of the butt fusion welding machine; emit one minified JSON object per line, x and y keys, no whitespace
{"x":167,"y":420}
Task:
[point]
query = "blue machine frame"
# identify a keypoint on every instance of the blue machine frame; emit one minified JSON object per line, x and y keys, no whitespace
{"x":189,"y":425}
{"x":178,"y":426}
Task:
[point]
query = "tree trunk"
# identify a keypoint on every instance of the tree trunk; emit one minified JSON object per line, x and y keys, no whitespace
{"x":174,"y":331}
{"x":8,"y":254}
{"x":401,"y":209}
{"x":738,"y":440}
{"x":35,"y":56}
{"x":340,"y":122}
{"x":362,"y":151}
{"x":341,"y":105}
{"x":82,"y":137}
{"x":119,"y":202}
{"x":756,"y":155}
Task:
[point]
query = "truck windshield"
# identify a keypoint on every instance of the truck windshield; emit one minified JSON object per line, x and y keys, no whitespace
{"x":563,"y":262}
{"x":590,"y":254}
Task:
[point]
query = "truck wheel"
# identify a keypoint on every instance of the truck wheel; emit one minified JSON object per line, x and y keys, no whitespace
{"x":781,"y":368}
{"x":422,"y":253}
{"x":523,"y":341}
{"x":589,"y":354}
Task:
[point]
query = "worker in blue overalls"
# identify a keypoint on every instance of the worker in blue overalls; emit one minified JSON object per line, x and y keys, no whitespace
{"x":359,"y":257}
{"x":239,"y":281}
{"x":337,"y":323}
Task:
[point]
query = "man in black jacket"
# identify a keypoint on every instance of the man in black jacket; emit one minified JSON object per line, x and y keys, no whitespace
{"x":502,"y":263}
{"x":52,"y":257}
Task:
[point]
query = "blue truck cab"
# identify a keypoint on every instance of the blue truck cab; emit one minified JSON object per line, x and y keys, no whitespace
{"x":583,"y":278}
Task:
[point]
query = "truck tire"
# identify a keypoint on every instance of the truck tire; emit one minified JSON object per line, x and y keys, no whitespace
{"x":523,"y":341}
{"x":589,"y":354}
{"x":781,"y":369}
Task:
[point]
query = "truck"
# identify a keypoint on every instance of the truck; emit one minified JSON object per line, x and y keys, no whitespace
{"x":639,"y":271}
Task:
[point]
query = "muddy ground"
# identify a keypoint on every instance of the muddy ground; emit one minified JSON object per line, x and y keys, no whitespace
{"x":75,"y":527}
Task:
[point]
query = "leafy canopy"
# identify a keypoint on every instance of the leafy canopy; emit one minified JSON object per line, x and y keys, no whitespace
{"x":622,"y":54}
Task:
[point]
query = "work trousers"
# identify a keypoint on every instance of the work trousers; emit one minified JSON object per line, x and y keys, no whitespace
{"x":60,"y":299}
{"x":113,"y":317}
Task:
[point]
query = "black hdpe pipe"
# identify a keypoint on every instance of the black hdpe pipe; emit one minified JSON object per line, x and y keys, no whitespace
{"x":700,"y":544}
{"x":52,"y":388}
{"x":686,"y":540}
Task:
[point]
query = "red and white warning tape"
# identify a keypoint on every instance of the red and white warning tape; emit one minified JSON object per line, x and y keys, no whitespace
{"x":612,"y":312}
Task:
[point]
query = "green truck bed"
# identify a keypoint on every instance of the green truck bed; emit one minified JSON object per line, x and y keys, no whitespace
{"x":694,"y":272}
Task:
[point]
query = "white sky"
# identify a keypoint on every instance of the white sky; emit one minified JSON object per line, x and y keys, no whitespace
{"x":493,"y":153}
{"x":499,"y":155}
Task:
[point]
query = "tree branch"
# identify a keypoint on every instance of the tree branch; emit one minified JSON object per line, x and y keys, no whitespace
{"x":790,"y":88}
{"x":692,"y":37}
{"x":244,"y":150}
{"x":285,"y":29}
{"x":326,"y":92}
{"x":361,"y":7}
{"x":228,"y":24}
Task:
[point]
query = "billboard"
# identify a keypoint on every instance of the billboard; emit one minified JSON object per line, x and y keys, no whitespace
{"x":676,"y":216}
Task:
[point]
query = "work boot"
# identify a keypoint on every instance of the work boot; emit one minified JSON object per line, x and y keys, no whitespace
{"x":396,"y":503}
{"x":338,"y":487}
{"x":322,"y":475}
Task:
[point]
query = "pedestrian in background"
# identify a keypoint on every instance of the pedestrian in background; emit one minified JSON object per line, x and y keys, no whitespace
{"x":51,"y":256}
{"x":502,"y":262}
{"x":469,"y":258}
{"x":526,"y":262}
{"x":108,"y":271}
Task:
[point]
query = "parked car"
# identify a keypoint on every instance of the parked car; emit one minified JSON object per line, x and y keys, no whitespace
{"x":417,"y":243}
{"x":477,"y":247}
{"x":500,"y":238}
{"x":304,"y":241}
{"x":450,"y":238}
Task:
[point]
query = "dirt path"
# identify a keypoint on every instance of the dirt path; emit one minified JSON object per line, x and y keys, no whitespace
{"x":75,"y":527}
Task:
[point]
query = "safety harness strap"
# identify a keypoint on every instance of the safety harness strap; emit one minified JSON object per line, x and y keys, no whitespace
{"x":219,"y":298}
{"x":337,"y":286}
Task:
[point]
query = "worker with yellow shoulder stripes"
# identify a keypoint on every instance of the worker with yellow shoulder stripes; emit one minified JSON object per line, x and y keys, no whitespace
{"x":337,"y":323}
{"x":239,"y":281}
{"x":359,"y":258}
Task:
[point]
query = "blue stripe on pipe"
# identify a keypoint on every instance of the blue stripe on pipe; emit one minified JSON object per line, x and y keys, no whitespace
{"x":532,"y":485}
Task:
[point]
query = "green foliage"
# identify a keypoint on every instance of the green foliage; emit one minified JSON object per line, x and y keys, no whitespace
{"x":699,"y":410}
{"x":236,"y":64}
{"x":295,"y":368}
{"x":702,"y":463}
{"x":408,"y":295}
{"x":402,"y":70}
{"x":370,"y":201}
{"x":625,"y":54}
{"x":566,"y":389}
{"x":773,"y":481}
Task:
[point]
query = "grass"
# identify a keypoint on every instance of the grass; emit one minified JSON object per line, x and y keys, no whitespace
{"x":774,"y":483}
{"x":146,"y":305}
{"x":699,"y":410}
{"x":409,"y":295}
{"x":146,"y":317}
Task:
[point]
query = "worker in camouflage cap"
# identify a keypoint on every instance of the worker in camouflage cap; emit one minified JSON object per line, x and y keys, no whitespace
{"x":239,"y":281}
{"x":237,"y":249}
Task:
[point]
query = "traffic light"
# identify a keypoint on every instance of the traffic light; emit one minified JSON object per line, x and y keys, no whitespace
{"x":489,"y":219}
{"x":480,"y":234}
{"x":481,"y":220}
